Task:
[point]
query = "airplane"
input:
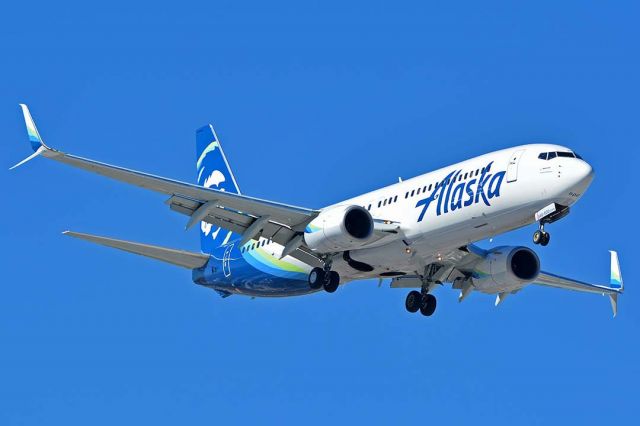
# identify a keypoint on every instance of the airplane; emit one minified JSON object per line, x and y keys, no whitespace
{"x":419,"y":232}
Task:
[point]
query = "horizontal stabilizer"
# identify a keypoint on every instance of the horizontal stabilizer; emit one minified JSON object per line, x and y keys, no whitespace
{"x":182,"y":258}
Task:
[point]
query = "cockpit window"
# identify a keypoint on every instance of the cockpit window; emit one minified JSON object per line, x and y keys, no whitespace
{"x":563,"y":154}
{"x":578,"y":156}
{"x":566,"y":154}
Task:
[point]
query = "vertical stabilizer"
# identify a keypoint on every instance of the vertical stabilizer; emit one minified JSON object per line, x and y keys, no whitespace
{"x":213,"y":171}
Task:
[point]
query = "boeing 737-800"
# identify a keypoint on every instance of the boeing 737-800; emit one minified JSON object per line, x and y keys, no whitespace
{"x":419,"y":233}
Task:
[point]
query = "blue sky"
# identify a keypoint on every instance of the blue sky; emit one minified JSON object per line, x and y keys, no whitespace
{"x":313,"y":103}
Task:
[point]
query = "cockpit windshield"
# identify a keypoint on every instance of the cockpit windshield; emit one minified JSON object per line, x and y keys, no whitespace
{"x":552,"y":155}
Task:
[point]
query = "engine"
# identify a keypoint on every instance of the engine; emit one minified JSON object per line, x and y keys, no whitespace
{"x":338,"y":229}
{"x":506,"y":269}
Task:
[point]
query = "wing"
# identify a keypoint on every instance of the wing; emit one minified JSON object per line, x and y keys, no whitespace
{"x":458,"y":265}
{"x":615,"y":287}
{"x":443,"y":268}
{"x":245,"y":215}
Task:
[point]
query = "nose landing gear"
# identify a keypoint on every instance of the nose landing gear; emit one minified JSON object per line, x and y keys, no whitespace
{"x":551,"y":213}
{"x":541,"y":236}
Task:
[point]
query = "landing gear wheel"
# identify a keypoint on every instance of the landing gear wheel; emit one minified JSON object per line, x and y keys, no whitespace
{"x":538,"y":237}
{"x":428,"y":307}
{"x":331,"y":282}
{"x":316,"y":278}
{"x":545,"y":239}
{"x":413,"y":302}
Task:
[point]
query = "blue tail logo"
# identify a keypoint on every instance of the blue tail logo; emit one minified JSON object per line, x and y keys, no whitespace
{"x":213,"y":172}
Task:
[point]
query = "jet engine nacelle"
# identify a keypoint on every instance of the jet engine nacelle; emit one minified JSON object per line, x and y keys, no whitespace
{"x":506,"y":269}
{"x":339,"y":228}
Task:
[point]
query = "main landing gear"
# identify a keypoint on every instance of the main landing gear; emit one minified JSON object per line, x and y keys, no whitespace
{"x":420,"y":301}
{"x":324,"y":278}
{"x":541,"y":236}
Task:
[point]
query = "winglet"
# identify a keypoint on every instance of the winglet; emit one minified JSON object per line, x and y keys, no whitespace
{"x":31,"y":157}
{"x":37,"y":144}
{"x":500,"y":298}
{"x":616,"y":282}
{"x":616,"y":275}
{"x":613,"y":298}
{"x":32,"y":130}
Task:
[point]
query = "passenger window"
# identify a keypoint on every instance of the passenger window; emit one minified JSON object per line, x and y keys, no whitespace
{"x":412,"y":192}
{"x":385,"y":203}
{"x":395,"y":198}
{"x":406,"y":195}
{"x":465,"y":176}
{"x":369,"y":208}
{"x":242,"y":250}
{"x":379,"y":204}
{"x":418,"y":192}
{"x":459,"y":178}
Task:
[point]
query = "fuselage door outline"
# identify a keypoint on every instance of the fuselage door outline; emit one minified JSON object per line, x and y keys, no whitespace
{"x":512,"y":168}
{"x":226,"y":264}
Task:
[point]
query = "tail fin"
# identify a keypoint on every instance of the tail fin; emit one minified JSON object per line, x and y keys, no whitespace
{"x":213,"y":172}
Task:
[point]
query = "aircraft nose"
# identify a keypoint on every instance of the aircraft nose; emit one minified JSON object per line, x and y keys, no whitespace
{"x":582,"y":174}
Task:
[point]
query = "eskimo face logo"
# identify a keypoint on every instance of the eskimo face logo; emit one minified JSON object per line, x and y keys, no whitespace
{"x":485,"y":187}
{"x":214,"y":179}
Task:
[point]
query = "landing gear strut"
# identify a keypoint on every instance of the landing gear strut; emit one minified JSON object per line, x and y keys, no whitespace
{"x":423,"y":302}
{"x":324,"y":278}
{"x":541,"y":236}
{"x":549,"y":214}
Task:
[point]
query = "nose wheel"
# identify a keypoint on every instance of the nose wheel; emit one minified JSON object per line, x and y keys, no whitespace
{"x":541,"y":236}
{"x":425,"y":303}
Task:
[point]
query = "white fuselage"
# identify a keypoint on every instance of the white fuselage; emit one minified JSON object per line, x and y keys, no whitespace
{"x":472,"y":205}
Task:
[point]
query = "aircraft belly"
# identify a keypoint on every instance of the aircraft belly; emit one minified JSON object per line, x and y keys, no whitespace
{"x":391,"y":257}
